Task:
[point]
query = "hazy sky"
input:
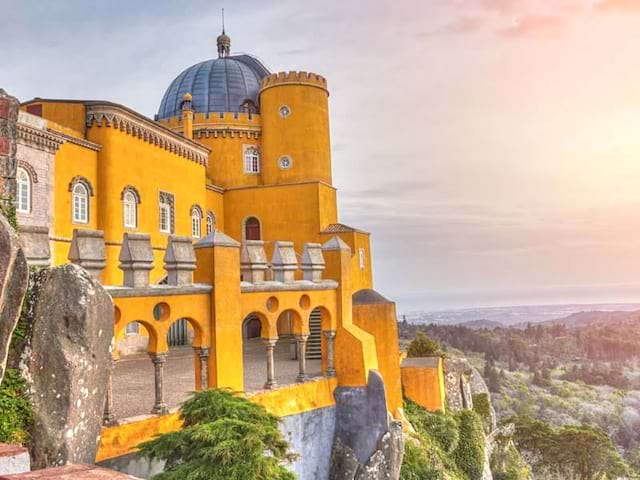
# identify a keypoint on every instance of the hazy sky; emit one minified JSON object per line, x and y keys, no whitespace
{"x":492,"y":147}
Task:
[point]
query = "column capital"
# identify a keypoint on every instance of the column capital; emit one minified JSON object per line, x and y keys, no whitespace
{"x":202,"y":351}
{"x":270,"y":342}
{"x":329,"y":334}
{"x":158,"y":357}
{"x":302,"y":338}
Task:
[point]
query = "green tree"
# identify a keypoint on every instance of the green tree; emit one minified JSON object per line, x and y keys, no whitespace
{"x":469,"y":455}
{"x":423,"y":346}
{"x":224,"y":437}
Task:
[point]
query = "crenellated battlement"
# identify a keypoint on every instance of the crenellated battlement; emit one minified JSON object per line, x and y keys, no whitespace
{"x":235,"y":119}
{"x":294,"y":78}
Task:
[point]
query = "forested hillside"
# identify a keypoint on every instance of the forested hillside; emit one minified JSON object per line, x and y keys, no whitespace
{"x":576,"y":373}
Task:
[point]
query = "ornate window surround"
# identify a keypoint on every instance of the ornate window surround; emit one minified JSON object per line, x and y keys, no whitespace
{"x":196,"y":221}
{"x":166,"y":198}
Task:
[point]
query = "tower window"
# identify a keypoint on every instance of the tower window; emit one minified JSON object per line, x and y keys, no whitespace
{"x":285,"y":162}
{"x":196,"y":221}
{"x":251,"y":159}
{"x":80,"y":203}
{"x":363,"y":258}
{"x":165,"y":210}
{"x":284,"y":111}
{"x":23,"y":191}
{"x":252,"y":229}
{"x":211,"y":222}
{"x":130,"y":209}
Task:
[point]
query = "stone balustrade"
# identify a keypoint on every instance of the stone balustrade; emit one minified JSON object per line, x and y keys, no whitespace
{"x":88,"y":251}
{"x":179,"y":261}
{"x":253,"y":261}
{"x":136,"y":259}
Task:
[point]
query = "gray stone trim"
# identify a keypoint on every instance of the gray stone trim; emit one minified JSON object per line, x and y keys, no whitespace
{"x":197,"y":208}
{"x":158,"y":290}
{"x":214,"y":188}
{"x":84,"y":181}
{"x":30,"y":170}
{"x":77,"y":141}
{"x":132,"y":189}
{"x":336,"y":243}
{"x":420,"y":362}
{"x":39,"y":138}
{"x":115,"y":116}
{"x":273,"y":185}
{"x":216,"y":239}
{"x":296,"y":286}
{"x":224,"y":132}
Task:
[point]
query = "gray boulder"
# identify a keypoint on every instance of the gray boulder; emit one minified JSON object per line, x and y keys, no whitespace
{"x":368,"y":445}
{"x":66,"y":362}
{"x":14,"y":278}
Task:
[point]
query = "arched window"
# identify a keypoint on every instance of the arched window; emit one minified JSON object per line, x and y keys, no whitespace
{"x":80,"y":195}
{"x":130,"y":205}
{"x":196,"y":221}
{"x":165,"y":211}
{"x":251,"y":159}
{"x":252,"y":229}
{"x":23,"y":191}
{"x":211,"y":222}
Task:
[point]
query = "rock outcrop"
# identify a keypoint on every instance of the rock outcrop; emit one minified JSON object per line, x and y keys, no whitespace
{"x":66,"y":363}
{"x":8,"y":120}
{"x":368,"y":445}
{"x":14,"y":278}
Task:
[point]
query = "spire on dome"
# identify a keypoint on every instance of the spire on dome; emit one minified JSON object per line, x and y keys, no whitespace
{"x":224,"y":42}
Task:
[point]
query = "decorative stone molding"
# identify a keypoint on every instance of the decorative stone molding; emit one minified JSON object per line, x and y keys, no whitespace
{"x":35,"y":242}
{"x":33,"y":175}
{"x":134,"y":190}
{"x":136,"y":259}
{"x":253,"y":261}
{"x":88,"y":251}
{"x":42,"y":139}
{"x":284,"y":262}
{"x":115,"y":116}
{"x":226,"y":132}
{"x":312,"y":263}
{"x":84,"y":181}
{"x":179,"y":261}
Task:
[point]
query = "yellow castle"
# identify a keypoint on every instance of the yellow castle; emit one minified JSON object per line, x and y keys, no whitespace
{"x":214,"y":224}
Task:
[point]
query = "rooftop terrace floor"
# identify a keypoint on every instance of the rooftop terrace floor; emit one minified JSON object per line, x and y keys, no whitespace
{"x":133,"y":378}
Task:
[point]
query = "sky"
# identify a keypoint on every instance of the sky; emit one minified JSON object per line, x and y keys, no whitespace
{"x":491,"y":147}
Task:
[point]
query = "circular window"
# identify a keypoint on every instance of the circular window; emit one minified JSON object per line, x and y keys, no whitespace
{"x":285,"y":162}
{"x":284,"y":111}
{"x":161,"y":312}
{"x":272,"y":304}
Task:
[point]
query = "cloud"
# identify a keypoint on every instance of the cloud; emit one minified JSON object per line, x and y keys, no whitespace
{"x":461,"y":25}
{"x":619,"y":6}
{"x":535,"y":26}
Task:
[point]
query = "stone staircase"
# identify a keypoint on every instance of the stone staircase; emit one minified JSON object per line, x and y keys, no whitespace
{"x":314,"y":350}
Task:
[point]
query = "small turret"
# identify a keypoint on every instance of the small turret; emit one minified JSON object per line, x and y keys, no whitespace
{"x":187,"y":116}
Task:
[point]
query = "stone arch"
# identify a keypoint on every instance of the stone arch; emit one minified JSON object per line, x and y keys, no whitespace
{"x":155,"y":345}
{"x":84,"y":181}
{"x":195,"y":337}
{"x":265,"y":325}
{"x":325,"y":317}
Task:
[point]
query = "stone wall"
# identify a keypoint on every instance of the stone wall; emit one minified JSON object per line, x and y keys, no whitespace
{"x":8,"y":120}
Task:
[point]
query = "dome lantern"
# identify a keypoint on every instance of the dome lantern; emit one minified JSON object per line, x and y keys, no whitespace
{"x":224,"y":45}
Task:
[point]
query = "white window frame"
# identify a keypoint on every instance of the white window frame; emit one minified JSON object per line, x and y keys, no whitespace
{"x":130,"y":209}
{"x":165,"y":227}
{"x":80,"y":203}
{"x":362,"y":256}
{"x":23,"y":191}
{"x":211,"y":221}
{"x":196,"y":223}
{"x":132,"y":328}
{"x":251,"y":159}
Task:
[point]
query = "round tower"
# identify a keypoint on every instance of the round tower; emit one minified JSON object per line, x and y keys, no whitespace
{"x":295,"y":128}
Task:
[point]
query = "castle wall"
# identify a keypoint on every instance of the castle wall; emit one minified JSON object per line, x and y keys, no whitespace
{"x":423,"y":382}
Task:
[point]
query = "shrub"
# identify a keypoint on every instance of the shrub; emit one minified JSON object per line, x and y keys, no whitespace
{"x":469,"y":456}
{"x":16,"y":414}
{"x":482,"y":406}
{"x":224,"y":436}
{"x":416,"y":464}
{"x":443,"y":429}
{"x":423,"y":346}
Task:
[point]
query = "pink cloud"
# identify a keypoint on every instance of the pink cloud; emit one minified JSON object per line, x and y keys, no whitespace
{"x":460,"y":25}
{"x":619,"y":6}
{"x":535,"y":25}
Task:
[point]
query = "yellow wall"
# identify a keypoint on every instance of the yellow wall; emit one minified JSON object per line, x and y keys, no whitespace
{"x":129,"y":161}
{"x":279,"y":208}
{"x":380,"y":321}
{"x":68,"y":114}
{"x":215,"y":204}
{"x":425,"y":385}
{"x":362,"y":278}
{"x":72,"y":160}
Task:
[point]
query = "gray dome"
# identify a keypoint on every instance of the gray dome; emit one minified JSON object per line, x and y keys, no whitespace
{"x":218,"y":85}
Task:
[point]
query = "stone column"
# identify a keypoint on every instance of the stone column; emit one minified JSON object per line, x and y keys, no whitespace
{"x":301,"y":341}
{"x":270,"y":343}
{"x":160,"y":406}
{"x":109,"y":417}
{"x":203,"y":354}
{"x":330,"y":336}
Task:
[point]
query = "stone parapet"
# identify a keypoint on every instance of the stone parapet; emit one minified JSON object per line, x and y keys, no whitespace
{"x":253,"y":261}
{"x":179,"y":261}
{"x":136,"y":259}
{"x":14,"y":459}
{"x":312,"y":264}
{"x":284,"y":262}
{"x":35,"y":242}
{"x":88,"y":251}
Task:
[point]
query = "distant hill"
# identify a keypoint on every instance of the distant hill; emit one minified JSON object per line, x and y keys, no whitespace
{"x":483,"y":323}
{"x":581,"y":319}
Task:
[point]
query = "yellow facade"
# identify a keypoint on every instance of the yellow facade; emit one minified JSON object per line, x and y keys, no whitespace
{"x":271,"y":163}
